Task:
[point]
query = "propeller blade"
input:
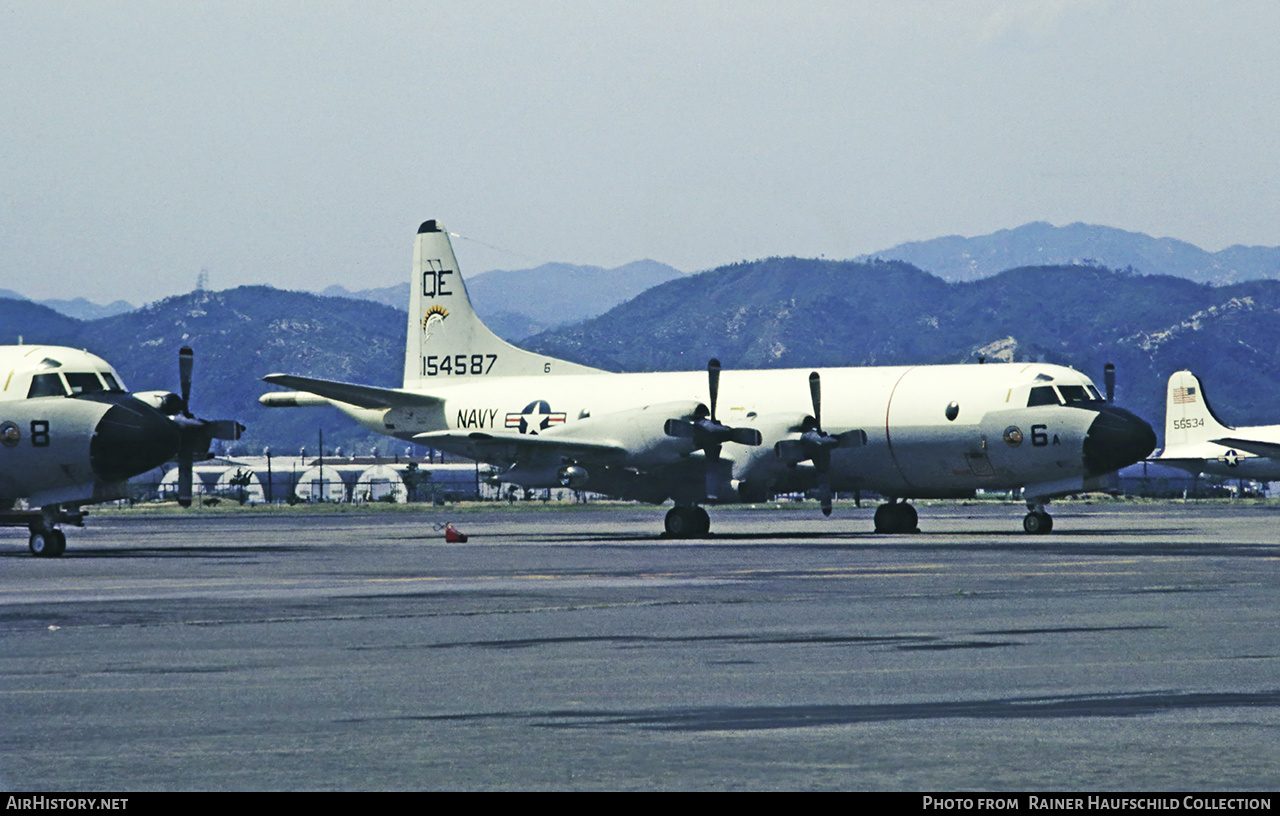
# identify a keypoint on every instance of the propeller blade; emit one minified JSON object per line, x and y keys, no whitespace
{"x":1109,"y":377}
{"x":857,"y":438}
{"x":184,"y":470}
{"x":186,"y":361}
{"x":713,"y":383}
{"x":195,"y":435}
{"x":819,"y":452}
{"x":815,"y":394}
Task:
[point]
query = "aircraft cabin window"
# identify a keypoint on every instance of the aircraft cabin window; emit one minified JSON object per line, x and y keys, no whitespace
{"x":1074,"y":393}
{"x":46,"y":385}
{"x":84,"y":382}
{"x":1043,"y":395}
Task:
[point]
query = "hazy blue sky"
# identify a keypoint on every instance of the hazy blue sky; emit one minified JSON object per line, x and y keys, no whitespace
{"x":301,"y":143}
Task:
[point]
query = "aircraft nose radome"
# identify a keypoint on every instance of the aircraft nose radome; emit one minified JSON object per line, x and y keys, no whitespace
{"x":1116,"y":439}
{"x":131,"y":438}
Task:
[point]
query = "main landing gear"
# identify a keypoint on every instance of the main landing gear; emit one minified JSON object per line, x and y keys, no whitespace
{"x":687,"y":521}
{"x":896,"y":517}
{"x":1038,"y":521}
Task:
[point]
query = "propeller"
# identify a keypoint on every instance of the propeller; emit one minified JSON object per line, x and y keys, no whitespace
{"x":195,"y":434}
{"x":708,"y":433}
{"x":1109,"y":379}
{"x":816,"y":444}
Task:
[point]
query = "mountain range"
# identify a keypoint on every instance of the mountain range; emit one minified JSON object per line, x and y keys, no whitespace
{"x":954,"y":258}
{"x":776,"y":312}
{"x":790,"y":312}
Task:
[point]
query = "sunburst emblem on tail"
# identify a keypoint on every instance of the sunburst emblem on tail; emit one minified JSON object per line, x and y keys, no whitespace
{"x":436,"y":314}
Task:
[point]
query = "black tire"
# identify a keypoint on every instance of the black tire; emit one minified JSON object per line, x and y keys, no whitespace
{"x":702,"y":521}
{"x":896,"y":518}
{"x":1037,"y":523}
{"x":679,"y":522}
{"x":687,"y":521}
{"x":909,"y":519}
{"x":882,"y":518}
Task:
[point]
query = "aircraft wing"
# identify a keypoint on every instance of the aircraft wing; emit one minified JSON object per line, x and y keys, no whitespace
{"x":1192,"y":464}
{"x":364,"y":396}
{"x":496,"y":447}
{"x":1254,"y":446}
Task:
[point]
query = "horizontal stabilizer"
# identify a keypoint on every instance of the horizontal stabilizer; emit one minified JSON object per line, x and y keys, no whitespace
{"x":363,"y":396}
{"x":1254,"y":446}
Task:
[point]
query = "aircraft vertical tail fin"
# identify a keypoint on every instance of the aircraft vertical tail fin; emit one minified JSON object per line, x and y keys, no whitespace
{"x":1188,"y":419}
{"x":447,"y":342}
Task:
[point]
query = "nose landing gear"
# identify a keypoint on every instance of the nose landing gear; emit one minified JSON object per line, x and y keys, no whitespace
{"x":46,"y":540}
{"x":1037,"y":522}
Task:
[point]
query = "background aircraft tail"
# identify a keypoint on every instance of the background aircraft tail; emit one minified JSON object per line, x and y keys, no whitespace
{"x":447,"y":341}
{"x":1188,"y":419}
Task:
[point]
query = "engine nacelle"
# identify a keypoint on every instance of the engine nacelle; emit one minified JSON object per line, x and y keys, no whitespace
{"x":166,"y":402}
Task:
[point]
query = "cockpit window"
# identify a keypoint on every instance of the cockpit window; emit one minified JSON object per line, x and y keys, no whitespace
{"x":1043,"y":395}
{"x":1094,"y":392}
{"x":46,"y":385}
{"x":84,"y":382}
{"x":112,"y":385}
{"x":1074,"y":393}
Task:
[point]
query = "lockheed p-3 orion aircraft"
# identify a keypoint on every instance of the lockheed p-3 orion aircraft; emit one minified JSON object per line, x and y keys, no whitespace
{"x":713,"y":437}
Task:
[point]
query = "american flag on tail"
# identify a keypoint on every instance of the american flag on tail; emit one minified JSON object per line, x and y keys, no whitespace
{"x":1184,"y":395}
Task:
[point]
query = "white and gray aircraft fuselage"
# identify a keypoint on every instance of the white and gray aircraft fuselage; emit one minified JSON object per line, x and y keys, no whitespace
{"x":699,"y":438}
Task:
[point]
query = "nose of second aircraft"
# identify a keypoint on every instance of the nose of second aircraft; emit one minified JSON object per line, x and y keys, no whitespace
{"x":1116,"y":439}
{"x":131,"y":438}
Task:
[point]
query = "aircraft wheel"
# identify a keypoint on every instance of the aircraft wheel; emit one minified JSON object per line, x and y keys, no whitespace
{"x":898,"y":517}
{"x":1037,"y":522}
{"x":678,"y":522}
{"x":47,"y":543}
{"x":910,"y":519}
{"x":687,"y":522}
{"x":702,"y":521}
{"x":882,"y":518}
